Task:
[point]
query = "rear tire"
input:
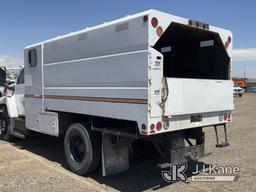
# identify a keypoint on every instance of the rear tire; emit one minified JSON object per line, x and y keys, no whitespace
{"x":5,"y":125}
{"x":82,"y":148}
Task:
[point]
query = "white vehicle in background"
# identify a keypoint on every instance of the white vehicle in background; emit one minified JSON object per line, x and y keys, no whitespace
{"x":238,"y":91}
{"x":13,"y":73}
{"x":8,"y":77}
{"x":150,"y":77}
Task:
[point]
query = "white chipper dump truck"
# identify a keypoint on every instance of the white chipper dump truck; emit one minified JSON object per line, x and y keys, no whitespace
{"x":145,"y":82}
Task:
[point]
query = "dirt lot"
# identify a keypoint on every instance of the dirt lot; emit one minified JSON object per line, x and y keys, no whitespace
{"x":37,"y":164}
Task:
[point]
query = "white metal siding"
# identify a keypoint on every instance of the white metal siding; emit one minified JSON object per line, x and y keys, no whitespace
{"x":189,"y":96}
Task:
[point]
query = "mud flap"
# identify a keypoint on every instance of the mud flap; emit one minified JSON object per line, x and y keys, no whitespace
{"x":115,"y":154}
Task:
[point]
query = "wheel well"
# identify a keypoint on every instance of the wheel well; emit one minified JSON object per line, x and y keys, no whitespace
{"x":66,"y":119}
{"x":99,"y":124}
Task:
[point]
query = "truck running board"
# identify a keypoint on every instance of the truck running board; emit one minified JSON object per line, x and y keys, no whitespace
{"x":224,"y":144}
{"x":18,"y":135}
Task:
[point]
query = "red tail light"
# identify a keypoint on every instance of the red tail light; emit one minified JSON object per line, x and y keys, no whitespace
{"x":229,"y":117}
{"x":143,"y":127}
{"x":154,"y":22}
{"x":225,"y":117}
{"x":158,"y":126}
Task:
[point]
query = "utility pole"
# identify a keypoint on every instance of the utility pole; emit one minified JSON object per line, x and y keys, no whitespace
{"x":244,"y":71}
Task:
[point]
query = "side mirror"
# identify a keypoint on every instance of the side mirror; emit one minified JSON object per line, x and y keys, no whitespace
{"x":11,"y":88}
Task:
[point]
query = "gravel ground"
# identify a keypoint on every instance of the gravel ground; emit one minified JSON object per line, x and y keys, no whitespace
{"x":37,"y":164}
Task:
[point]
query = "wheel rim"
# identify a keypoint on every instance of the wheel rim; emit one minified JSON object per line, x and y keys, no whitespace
{"x":77,"y":148}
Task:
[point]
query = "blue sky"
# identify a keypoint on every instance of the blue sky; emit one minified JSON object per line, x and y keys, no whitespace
{"x":26,"y":22}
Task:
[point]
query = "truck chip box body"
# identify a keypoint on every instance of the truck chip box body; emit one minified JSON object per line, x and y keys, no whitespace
{"x":149,"y":77}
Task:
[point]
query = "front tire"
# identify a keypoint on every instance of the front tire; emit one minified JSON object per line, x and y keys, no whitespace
{"x":82,"y":148}
{"x":5,"y":125}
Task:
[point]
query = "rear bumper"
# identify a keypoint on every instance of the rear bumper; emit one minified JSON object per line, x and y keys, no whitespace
{"x":185,"y":122}
{"x":188,"y":121}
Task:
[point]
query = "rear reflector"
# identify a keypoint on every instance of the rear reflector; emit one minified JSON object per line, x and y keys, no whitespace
{"x":159,"y":31}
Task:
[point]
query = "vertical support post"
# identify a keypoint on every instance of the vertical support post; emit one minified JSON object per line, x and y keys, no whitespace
{"x":216,"y":134}
{"x":225,"y":144}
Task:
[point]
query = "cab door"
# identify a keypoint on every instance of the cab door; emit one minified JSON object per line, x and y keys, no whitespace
{"x":33,"y":89}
